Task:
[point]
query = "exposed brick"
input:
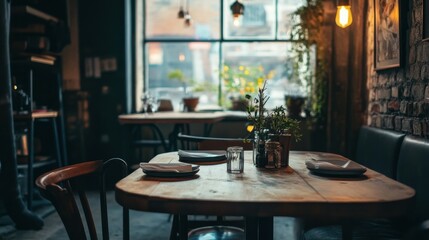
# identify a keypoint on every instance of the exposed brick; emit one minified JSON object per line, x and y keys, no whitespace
{"x":424,"y":74}
{"x":425,"y":128}
{"x":383,"y":107}
{"x":393,"y":105}
{"x":412,"y":55}
{"x":371,"y":94}
{"x":378,"y":121}
{"x":406,"y":91}
{"x":427,"y":93}
{"x":419,"y":53}
{"x":388,"y":122}
{"x":374,"y":81}
{"x":382,"y":79}
{"x":403,"y":108}
{"x":418,"y":91}
{"x":392,"y":79}
{"x":425,"y":51}
{"x":417,"y":127}
{"x":419,"y":109}
{"x":415,"y":71}
{"x":400,"y":76}
{"x":407,"y":125}
{"x":374,"y":108}
{"x":395,"y":92}
{"x":398,"y":123}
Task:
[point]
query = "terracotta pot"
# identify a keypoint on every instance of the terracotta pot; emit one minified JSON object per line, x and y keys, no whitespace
{"x":239,"y":105}
{"x":294,"y":105}
{"x":190,"y":103}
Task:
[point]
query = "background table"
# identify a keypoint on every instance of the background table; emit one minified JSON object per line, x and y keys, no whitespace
{"x":265,"y":193}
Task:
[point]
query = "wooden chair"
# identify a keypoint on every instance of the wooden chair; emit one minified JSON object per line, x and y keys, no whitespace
{"x":58,"y":185}
{"x":190,"y":142}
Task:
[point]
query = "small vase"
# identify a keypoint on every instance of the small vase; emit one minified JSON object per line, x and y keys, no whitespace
{"x":284,"y":140}
{"x":259,"y":157}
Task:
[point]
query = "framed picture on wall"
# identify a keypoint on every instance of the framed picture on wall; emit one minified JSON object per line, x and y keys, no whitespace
{"x":387,"y":34}
{"x":425,"y":35}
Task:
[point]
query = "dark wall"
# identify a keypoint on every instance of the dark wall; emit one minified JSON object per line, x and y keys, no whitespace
{"x":399,"y":97}
{"x":103,"y":73}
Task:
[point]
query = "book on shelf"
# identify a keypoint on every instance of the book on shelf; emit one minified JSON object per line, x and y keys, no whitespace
{"x":31,"y":11}
{"x":42,"y":59}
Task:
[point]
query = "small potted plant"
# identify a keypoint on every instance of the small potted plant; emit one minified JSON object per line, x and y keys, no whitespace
{"x":272,"y":125}
{"x":190,"y":102}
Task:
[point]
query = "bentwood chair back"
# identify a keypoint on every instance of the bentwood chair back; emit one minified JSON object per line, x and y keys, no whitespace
{"x":58,"y":185}
{"x":190,"y":142}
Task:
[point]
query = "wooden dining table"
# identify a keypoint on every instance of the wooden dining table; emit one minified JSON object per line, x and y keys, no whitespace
{"x":180,"y":120}
{"x":260,"y":193}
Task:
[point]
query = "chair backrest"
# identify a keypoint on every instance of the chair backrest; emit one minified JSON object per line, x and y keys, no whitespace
{"x":190,"y":142}
{"x":413,"y":167}
{"x":378,"y":149}
{"x":57,"y":186}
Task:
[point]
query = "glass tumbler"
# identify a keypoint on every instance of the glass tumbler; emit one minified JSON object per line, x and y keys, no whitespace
{"x":235,"y":159}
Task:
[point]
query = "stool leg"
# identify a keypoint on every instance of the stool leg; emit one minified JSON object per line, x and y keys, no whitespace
{"x":30,"y":164}
{"x":57,"y":143}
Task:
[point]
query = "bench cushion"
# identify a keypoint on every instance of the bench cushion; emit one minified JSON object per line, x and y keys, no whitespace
{"x":413,"y":170}
{"x":378,"y":149}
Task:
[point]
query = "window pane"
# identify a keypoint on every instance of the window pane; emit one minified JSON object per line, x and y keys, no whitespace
{"x":285,"y":9}
{"x":162,"y":20}
{"x":257,"y":21}
{"x":247,"y":63}
{"x":197,"y":62}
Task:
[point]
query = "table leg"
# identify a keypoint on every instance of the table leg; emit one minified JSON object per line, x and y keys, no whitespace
{"x":265,"y":228}
{"x":251,"y":228}
{"x":183,"y":227}
{"x":347,"y":231}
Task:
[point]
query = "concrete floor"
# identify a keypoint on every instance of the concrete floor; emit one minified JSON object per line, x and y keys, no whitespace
{"x":143,"y":225}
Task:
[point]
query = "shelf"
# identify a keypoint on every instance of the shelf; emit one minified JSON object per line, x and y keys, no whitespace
{"x":36,"y":115}
{"x":32,"y":12}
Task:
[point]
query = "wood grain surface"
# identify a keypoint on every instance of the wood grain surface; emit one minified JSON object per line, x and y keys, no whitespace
{"x":263,"y":192}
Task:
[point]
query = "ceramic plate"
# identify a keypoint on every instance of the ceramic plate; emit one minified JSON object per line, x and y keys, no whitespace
{"x":195,"y":169}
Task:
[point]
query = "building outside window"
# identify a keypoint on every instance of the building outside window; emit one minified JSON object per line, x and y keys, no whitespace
{"x":216,"y":55}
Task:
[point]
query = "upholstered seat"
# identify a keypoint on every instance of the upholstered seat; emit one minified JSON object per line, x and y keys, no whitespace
{"x":378,"y":149}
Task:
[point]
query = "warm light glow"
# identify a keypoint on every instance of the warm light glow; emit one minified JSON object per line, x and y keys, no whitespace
{"x":237,"y":21}
{"x":250,"y":128}
{"x":15,"y":87}
{"x":182,"y":57}
{"x":344,"y":16}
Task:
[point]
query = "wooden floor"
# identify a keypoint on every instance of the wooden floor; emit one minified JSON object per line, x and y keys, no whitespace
{"x":143,"y":225}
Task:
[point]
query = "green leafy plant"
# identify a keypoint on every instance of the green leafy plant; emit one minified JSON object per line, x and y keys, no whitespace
{"x":307,"y":35}
{"x":264,"y":122}
{"x":179,"y":76}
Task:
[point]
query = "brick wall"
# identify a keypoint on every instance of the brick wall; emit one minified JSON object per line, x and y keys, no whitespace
{"x":398,"y":98}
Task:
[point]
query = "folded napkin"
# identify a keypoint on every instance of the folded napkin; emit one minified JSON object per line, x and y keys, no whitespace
{"x":200,"y":156}
{"x":167,"y":167}
{"x":335,"y":165}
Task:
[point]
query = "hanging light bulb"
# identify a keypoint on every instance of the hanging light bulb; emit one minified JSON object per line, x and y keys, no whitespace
{"x":181,"y":13}
{"x":237,"y":10}
{"x":344,"y":14}
{"x":188,"y":18}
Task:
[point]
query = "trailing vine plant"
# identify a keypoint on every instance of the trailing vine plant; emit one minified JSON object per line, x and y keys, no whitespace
{"x":307,"y":41}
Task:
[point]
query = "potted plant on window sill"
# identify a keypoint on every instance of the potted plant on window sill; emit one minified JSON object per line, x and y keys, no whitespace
{"x":190,"y":102}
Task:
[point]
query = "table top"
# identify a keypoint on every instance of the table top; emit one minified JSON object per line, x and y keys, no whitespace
{"x":179,"y":117}
{"x":291,"y":191}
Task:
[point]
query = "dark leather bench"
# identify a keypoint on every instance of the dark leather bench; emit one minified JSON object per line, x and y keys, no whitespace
{"x":411,"y":169}
{"x":378,"y":149}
